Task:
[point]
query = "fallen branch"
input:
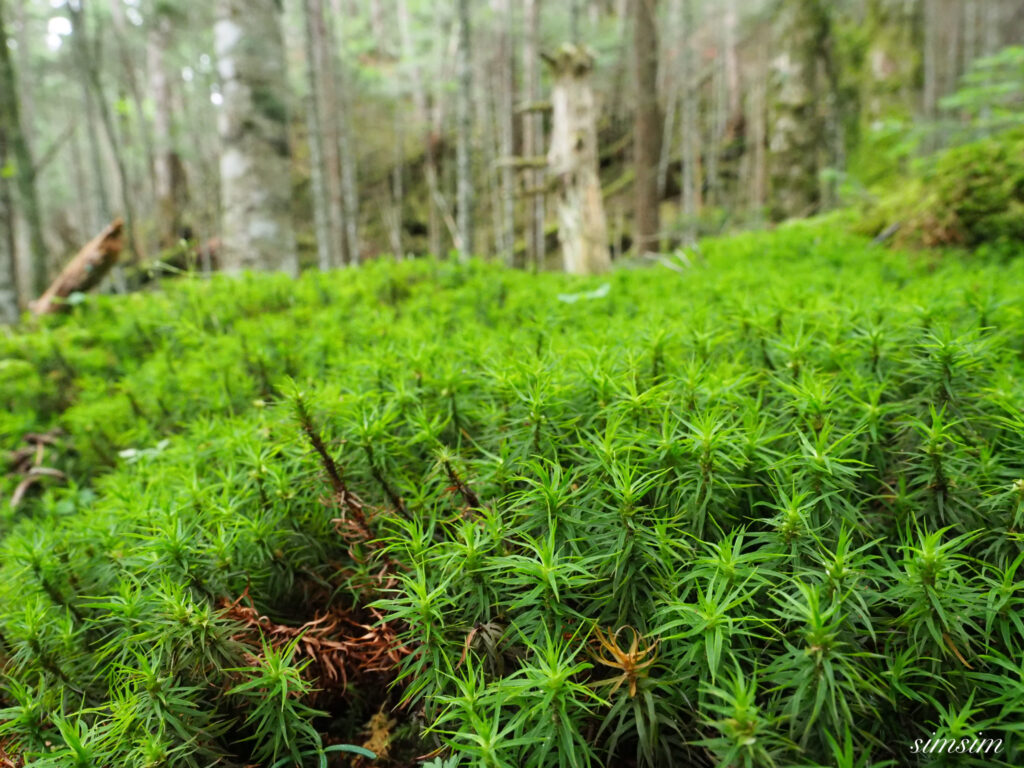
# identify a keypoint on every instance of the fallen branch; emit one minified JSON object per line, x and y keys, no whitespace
{"x":84,"y":271}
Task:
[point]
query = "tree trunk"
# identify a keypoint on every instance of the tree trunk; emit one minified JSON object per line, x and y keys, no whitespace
{"x":505,"y":68}
{"x":91,"y":72}
{"x":671,"y":88}
{"x":8,"y":265}
{"x":420,"y":102}
{"x":690,"y":108}
{"x":732,"y":141}
{"x":21,"y":155}
{"x":312,"y":12}
{"x":573,"y":161}
{"x":129,"y":68}
{"x":647,"y":126}
{"x":463,"y":161}
{"x":169,"y":186}
{"x":337,"y":103}
{"x":759,"y":136}
{"x":930,"y":92}
{"x":255,"y":162}
{"x":797,"y":129}
{"x":397,"y":188}
{"x":533,"y":132}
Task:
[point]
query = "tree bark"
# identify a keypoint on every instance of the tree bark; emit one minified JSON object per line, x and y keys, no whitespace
{"x":313,"y":14}
{"x":255,"y":162}
{"x":573,"y":162}
{"x":533,"y":132}
{"x":329,"y":113}
{"x":647,"y":126}
{"x":21,"y":155}
{"x":463,"y":161}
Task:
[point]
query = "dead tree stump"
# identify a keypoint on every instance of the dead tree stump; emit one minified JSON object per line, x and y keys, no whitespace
{"x":573,"y":163}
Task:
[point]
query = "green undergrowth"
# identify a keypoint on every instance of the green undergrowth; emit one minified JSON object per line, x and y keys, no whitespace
{"x":760,"y":509}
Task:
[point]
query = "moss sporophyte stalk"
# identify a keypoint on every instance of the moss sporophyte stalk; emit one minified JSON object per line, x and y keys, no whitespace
{"x":431,"y":510}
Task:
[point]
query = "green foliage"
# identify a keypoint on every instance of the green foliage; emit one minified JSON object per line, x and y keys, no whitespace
{"x":766,"y":510}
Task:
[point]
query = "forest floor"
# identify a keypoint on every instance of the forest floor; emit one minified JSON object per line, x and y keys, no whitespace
{"x":760,"y":507}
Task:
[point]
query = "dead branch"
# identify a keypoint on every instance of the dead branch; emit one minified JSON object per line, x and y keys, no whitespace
{"x":84,"y":271}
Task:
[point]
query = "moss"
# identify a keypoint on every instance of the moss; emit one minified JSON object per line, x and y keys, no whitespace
{"x":969,"y":196}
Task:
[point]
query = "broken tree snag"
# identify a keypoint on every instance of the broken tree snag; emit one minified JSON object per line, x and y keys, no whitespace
{"x":573,"y":163}
{"x":84,"y":271}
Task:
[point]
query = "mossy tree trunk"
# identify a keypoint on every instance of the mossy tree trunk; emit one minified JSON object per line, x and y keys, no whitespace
{"x":573,"y":162}
{"x":797,"y":127}
{"x":255,"y":162}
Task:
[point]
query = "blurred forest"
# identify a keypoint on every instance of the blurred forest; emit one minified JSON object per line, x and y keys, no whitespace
{"x":268,"y":134}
